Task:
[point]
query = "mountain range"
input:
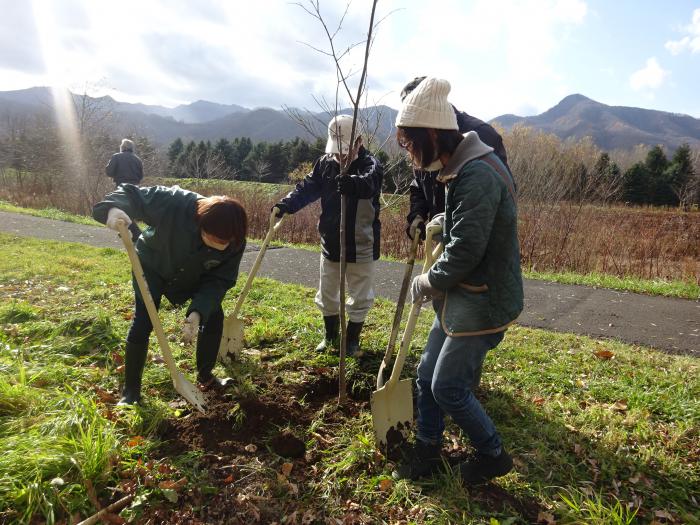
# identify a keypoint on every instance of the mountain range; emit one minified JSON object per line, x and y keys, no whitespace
{"x":576,"y":116}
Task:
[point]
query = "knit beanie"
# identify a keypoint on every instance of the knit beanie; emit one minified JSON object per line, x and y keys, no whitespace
{"x":427,"y":106}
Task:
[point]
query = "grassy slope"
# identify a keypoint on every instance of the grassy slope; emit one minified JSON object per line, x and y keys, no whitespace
{"x":682,"y":289}
{"x":600,"y":433}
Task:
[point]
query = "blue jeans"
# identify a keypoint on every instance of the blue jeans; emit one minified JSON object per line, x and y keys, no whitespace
{"x":449,"y":368}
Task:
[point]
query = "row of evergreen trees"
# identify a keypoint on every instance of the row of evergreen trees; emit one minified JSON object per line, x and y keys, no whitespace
{"x":241,"y":159}
{"x":656,"y":180}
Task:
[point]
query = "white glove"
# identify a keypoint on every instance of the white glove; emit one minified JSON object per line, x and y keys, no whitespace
{"x":422,"y":290}
{"x":190,"y":327}
{"x":438,"y":220}
{"x":114,"y":215}
{"x":414,"y":226}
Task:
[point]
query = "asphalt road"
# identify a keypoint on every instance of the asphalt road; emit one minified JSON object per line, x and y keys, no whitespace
{"x":668,"y":324}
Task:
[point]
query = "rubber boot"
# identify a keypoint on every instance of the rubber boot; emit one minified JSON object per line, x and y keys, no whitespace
{"x":208,"y":341}
{"x":354,"y":330}
{"x":332,"y":327}
{"x":135,"y":232}
{"x":134,"y":361}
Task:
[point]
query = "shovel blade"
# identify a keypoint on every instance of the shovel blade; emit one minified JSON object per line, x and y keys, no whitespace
{"x":392,"y":415}
{"x":190,"y":392}
{"x":231,"y":340}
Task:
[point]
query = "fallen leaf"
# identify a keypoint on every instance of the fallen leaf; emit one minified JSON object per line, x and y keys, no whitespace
{"x":251,"y":448}
{"x":117,"y":358}
{"x":287,"y":469}
{"x":170,"y":495}
{"x":229,"y":479}
{"x":619,"y":406}
{"x":538,"y":400}
{"x":173,"y":485}
{"x":634,"y":479}
{"x":603,"y":354}
{"x":385,"y":485}
{"x":120,"y":369}
{"x":663,"y":515}
{"x":135,"y":441}
{"x":577,"y":449}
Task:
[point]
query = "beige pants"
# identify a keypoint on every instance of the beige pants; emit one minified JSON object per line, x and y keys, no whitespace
{"x":359,"y":279}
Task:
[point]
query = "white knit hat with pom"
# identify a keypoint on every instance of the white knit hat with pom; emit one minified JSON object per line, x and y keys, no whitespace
{"x":427,"y":106}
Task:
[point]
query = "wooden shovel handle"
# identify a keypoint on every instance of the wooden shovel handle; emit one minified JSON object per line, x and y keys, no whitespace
{"x":147,"y":298}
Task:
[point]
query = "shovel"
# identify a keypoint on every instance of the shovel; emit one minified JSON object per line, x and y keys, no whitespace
{"x":399,"y":310}
{"x":232,"y":335}
{"x":392,"y":403}
{"x":186,"y":389}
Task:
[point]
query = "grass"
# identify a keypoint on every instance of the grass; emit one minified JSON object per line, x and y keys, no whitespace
{"x":611,"y":439}
{"x":673,"y":288}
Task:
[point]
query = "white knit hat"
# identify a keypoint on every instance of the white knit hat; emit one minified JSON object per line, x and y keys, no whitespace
{"x":339,"y":131}
{"x":427,"y":106}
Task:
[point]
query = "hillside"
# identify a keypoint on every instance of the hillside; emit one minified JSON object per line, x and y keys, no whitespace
{"x":611,"y":127}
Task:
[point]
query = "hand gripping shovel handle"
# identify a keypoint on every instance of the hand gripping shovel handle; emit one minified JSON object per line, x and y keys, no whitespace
{"x":275,"y":224}
{"x":408,"y":273}
{"x":430,"y":256}
{"x":184,"y":387}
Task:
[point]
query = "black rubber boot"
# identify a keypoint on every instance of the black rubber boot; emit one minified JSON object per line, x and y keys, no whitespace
{"x":134,"y":361}
{"x":483,"y":467}
{"x":354,"y":330}
{"x":422,"y":460}
{"x":332,"y":328}
{"x":208,"y":341}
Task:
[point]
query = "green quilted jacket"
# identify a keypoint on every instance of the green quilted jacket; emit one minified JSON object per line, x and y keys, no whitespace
{"x":479,"y":270}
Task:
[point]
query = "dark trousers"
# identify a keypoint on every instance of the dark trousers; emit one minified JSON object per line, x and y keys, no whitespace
{"x":208,"y":339}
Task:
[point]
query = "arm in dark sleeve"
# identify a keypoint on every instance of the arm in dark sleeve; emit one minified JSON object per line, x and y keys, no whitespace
{"x":213,"y":286}
{"x":418,"y":203}
{"x":145,"y":204}
{"x":140,"y":170}
{"x":476,"y":198}
{"x":307,"y":191}
{"x":369,"y":181}
{"x":111,"y":167}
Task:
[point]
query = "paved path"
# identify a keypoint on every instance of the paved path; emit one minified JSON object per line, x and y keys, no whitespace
{"x":668,"y":324}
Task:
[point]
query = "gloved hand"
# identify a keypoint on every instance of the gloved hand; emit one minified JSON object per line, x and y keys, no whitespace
{"x":190,"y":327}
{"x":114,"y":215}
{"x":417,"y":224}
{"x":422,"y":290}
{"x":438,"y":220}
{"x":346,"y":185}
{"x":280,"y":209}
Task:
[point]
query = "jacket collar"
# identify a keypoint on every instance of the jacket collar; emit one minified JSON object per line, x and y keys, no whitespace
{"x":469,"y":149}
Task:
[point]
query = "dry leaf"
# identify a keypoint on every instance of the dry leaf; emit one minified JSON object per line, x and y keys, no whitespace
{"x":120,"y":369}
{"x":287,"y":469}
{"x":663,"y":515}
{"x":385,"y":485}
{"x":229,"y":479}
{"x":173,"y":485}
{"x":538,"y":400}
{"x":117,"y":358}
{"x":251,"y":448}
{"x":619,"y":406}
{"x":603,"y":354}
{"x":135,"y":441}
{"x":546,"y":517}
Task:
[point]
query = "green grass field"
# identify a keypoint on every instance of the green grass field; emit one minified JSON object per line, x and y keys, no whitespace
{"x":601,"y":432}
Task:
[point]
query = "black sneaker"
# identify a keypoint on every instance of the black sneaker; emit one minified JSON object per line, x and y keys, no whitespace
{"x":211,"y":382}
{"x":483,"y":467}
{"x":423,"y":459}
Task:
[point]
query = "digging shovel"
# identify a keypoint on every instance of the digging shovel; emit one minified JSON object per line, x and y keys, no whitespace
{"x":408,"y":272}
{"x":186,"y":389}
{"x":392,"y":403}
{"x":232,"y":336}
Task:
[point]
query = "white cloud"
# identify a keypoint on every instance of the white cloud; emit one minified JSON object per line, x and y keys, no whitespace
{"x":651,"y":77}
{"x":692,"y":39}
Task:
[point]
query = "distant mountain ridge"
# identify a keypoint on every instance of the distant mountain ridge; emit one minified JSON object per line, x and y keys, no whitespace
{"x":576,"y":116}
{"x":610,"y":127}
{"x":200,"y":120}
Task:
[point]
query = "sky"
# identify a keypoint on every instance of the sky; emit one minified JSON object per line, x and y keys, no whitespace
{"x":500,"y":56}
